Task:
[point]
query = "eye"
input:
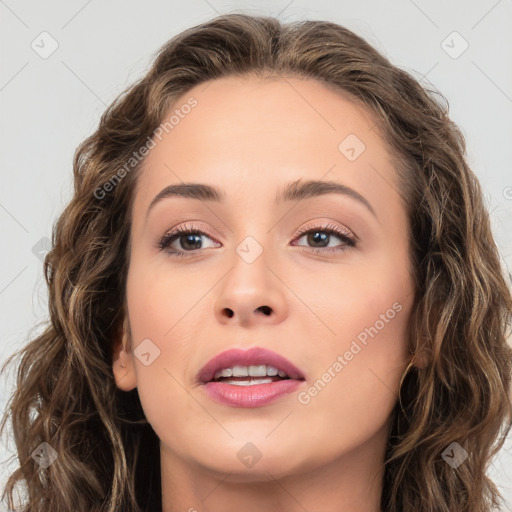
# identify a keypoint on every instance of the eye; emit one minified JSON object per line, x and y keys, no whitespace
{"x":188,"y":239}
{"x":320,"y":238}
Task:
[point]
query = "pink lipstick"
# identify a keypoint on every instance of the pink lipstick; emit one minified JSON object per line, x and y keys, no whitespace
{"x":249,"y":378}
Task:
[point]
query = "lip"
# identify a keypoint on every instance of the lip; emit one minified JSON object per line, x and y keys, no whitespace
{"x":254,"y":395}
{"x":250,"y":396}
{"x":254,"y":356}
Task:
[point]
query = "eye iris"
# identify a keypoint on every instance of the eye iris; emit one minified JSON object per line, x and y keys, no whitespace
{"x":318,"y":237}
{"x":194,"y":239}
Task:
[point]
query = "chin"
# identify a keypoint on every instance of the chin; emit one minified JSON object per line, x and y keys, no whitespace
{"x":262,"y":471}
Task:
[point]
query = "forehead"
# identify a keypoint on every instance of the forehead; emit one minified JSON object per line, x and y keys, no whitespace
{"x":290,"y":109}
{"x":256,"y":135}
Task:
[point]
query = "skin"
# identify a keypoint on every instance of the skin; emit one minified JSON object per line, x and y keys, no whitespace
{"x":249,"y":138}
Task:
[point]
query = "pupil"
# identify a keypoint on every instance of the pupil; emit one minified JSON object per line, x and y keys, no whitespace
{"x":317,"y":237}
{"x":195,"y":241}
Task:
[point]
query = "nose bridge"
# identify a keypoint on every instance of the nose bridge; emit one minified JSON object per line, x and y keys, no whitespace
{"x":250,"y":266}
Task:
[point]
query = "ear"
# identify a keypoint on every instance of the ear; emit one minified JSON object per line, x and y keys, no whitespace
{"x":123,"y":365}
{"x":420,"y":360}
{"x":421,"y":357}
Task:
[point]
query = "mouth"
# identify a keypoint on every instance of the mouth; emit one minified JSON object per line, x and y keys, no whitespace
{"x":248,"y":367}
{"x":250,"y":375}
{"x":249,"y":378}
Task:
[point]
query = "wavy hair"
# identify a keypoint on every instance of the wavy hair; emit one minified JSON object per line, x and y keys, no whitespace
{"x":65,"y":395}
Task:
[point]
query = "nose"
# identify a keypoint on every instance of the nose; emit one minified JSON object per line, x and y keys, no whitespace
{"x":251,"y":293}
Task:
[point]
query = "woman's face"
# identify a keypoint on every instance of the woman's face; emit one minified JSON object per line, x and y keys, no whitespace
{"x":320,"y":277}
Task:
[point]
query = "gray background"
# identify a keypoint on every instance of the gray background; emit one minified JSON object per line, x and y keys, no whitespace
{"x":50,"y":103}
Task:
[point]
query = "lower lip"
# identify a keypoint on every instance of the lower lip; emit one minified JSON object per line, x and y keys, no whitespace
{"x":250,"y":396}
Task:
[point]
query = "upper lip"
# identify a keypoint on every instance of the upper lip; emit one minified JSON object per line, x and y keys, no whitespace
{"x":253,"y":356}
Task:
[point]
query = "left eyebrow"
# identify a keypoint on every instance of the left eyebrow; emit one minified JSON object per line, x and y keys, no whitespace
{"x":298,"y":190}
{"x":294,"y":191}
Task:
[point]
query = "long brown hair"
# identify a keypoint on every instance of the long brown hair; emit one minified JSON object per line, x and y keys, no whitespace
{"x":108,"y":455}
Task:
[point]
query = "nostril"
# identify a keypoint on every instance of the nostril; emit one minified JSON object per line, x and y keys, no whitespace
{"x":265,"y":310}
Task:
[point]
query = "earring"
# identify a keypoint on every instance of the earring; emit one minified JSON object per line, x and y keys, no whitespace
{"x":123,"y":365}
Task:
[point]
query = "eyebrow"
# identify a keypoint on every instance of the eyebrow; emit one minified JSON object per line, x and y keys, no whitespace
{"x":294,"y":191}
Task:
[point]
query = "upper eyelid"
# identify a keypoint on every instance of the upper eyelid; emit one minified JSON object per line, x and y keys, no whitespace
{"x":180,"y":230}
{"x":190,"y":228}
{"x":330,"y":226}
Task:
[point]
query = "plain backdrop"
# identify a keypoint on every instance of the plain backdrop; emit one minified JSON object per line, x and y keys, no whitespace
{"x":52,"y":94}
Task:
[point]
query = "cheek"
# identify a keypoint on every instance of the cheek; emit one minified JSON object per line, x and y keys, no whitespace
{"x":156,"y":313}
{"x":367,"y":297}
{"x":354,"y":389}
{"x":361,"y":349}
{"x":160,"y":298}
{"x":158,"y":305}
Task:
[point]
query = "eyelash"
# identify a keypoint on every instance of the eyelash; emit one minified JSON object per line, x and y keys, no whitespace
{"x":330,"y":229}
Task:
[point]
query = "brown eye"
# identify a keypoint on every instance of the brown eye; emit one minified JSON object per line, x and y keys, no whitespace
{"x":183,"y":240}
{"x":319,"y":238}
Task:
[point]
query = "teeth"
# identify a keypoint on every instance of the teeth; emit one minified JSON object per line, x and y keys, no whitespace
{"x":251,"y":382}
{"x":240,"y":371}
{"x":258,"y":371}
{"x":261,"y":370}
{"x":271,"y":371}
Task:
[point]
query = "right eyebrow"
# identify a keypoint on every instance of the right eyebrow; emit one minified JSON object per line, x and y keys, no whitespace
{"x":199,"y":191}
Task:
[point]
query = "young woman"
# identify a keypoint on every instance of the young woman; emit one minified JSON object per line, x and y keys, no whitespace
{"x":275,"y":288}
